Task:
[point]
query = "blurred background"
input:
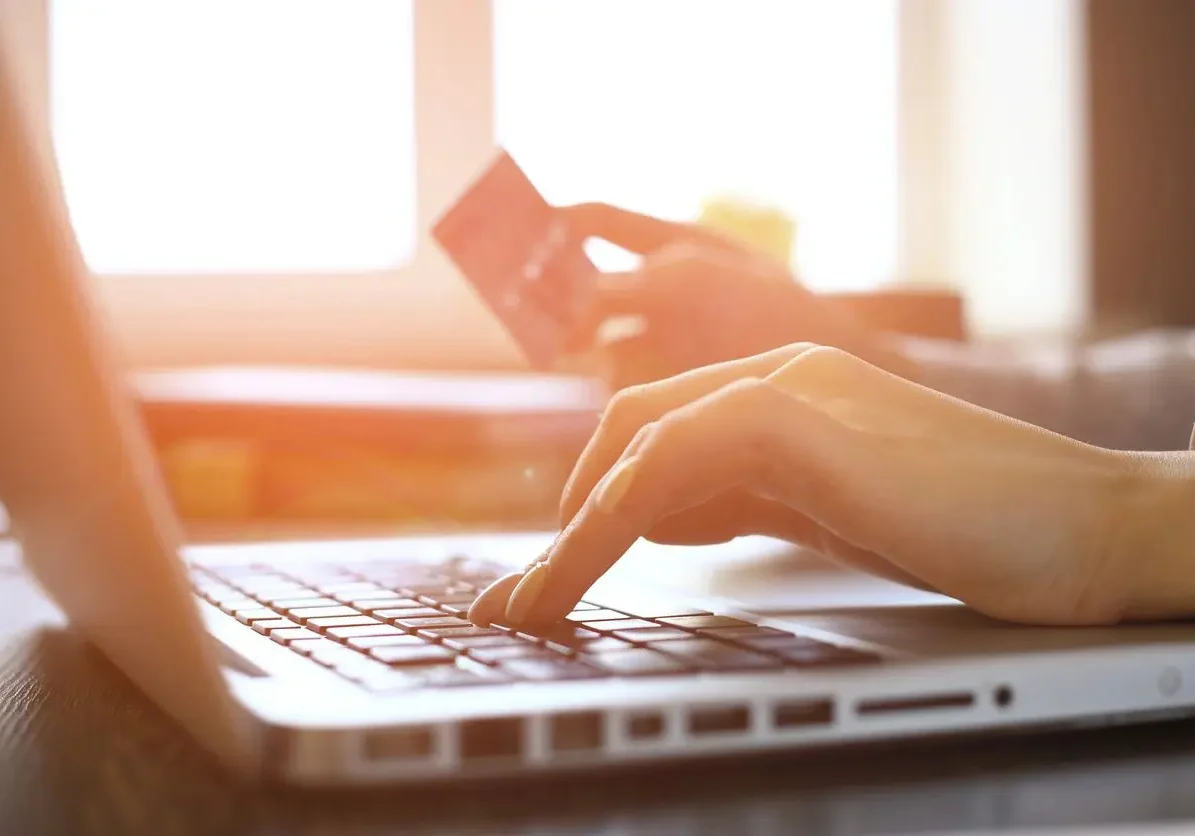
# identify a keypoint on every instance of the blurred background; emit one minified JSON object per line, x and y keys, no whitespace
{"x":252,"y":180}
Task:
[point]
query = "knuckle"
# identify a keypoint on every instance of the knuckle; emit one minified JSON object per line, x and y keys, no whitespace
{"x":821,"y":367}
{"x":825,"y":359}
{"x":646,"y":436}
{"x":628,"y":407}
{"x":794,"y":350}
{"x":752,"y":399}
{"x":667,"y":429}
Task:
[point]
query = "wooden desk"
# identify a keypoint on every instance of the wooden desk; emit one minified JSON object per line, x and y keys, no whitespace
{"x":82,"y":752}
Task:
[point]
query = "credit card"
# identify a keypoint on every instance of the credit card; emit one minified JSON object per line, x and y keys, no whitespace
{"x":518,"y":253}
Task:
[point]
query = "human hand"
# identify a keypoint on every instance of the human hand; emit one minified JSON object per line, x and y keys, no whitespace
{"x":703,"y":298}
{"x":814,"y":445}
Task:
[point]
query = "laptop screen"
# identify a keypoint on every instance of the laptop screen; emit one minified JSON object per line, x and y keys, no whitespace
{"x":76,"y":472}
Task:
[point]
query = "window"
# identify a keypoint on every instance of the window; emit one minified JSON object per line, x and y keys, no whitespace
{"x":236,"y":135}
{"x":658,"y":105}
{"x":252,"y":179}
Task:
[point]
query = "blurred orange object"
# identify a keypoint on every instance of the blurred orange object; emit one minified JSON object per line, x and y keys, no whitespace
{"x":266,"y":443}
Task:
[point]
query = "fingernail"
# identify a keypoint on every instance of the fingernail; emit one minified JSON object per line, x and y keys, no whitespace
{"x":526,"y":593}
{"x":491,"y":603}
{"x":616,"y":485}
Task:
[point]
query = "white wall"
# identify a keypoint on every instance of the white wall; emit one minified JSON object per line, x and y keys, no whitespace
{"x":995,"y":188}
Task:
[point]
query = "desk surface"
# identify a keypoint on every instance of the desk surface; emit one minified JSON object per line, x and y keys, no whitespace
{"x":82,"y":752}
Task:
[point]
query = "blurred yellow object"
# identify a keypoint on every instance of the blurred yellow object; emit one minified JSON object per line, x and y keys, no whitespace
{"x":762,"y":227}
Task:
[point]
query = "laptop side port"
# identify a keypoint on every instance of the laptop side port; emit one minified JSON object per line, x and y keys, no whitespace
{"x":917,"y":703}
{"x":401,"y":744}
{"x":719,"y":719}
{"x":646,"y":725}
{"x":578,"y":731}
{"x":789,"y":714}
{"x":490,"y":739}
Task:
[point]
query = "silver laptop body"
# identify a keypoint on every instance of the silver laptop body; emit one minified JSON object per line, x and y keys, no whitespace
{"x":220,"y":639}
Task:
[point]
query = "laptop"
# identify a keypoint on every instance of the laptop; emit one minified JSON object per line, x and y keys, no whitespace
{"x":348,"y":663}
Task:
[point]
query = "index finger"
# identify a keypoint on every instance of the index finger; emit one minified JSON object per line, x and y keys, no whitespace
{"x":733,"y":438}
{"x":632,"y":408}
{"x":634,"y":231}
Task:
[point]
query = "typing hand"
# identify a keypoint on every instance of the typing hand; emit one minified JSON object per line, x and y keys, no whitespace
{"x":703,"y":299}
{"x":814,"y":445}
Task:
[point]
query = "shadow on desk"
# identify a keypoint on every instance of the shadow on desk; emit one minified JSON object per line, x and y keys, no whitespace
{"x":83,"y":752}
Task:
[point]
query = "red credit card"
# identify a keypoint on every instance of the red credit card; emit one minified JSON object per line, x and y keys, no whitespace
{"x":521,"y":257}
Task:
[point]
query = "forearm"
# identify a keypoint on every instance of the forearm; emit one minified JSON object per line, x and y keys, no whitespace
{"x":1132,"y":394}
{"x":1153,"y":542}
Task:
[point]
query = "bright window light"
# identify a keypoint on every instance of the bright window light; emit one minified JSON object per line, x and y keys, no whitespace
{"x":657,"y":105}
{"x":210,"y":136}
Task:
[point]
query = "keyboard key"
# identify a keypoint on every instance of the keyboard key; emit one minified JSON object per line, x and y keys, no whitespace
{"x":653,"y":634}
{"x":372,"y":604}
{"x":457,"y":598}
{"x":460,"y":631}
{"x":300,"y":603}
{"x":317,"y":575}
{"x":488,"y":641}
{"x":562,"y":638}
{"x":222,"y":572}
{"x":248,"y":616}
{"x":349,"y":589}
{"x":446,"y":676}
{"x":272,"y":590}
{"x":363,"y":671}
{"x":659,"y":614}
{"x":304,"y":613}
{"x":620,"y":624}
{"x":380,"y":593}
{"x":440,"y":620}
{"x":265,"y":627}
{"x":495,"y":655}
{"x":408,"y":613}
{"x":601,"y":645}
{"x":392,"y":640}
{"x":360,"y":594}
{"x":639,"y":661}
{"x":583,"y":606}
{"x":452,"y":676}
{"x":222,"y":594}
{"x":595,"y":615}
{"x":750,"y":631}
{"x":334,"y":655}
{"x":771,"y":641}
{"x":705,"y":622}
{"x":265,"y":578}
{"x":363,"y":630}
{"x":720,"y":656}
{"x":436,"y":590}
{"x":293,"y":634}
{"x":294,"y":595}
{"x":341,"y":621}
{"x":233,"y":605}
{"x":381,"y":679}
{"x":407,"y":655}
{"x":308,"y":647}
{"x":557,"y":668}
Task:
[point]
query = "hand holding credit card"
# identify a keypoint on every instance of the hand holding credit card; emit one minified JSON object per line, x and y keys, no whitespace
{"x":519,"y":254}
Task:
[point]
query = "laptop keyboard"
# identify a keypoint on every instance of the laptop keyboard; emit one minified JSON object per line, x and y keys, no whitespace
{"x":397,"y":626}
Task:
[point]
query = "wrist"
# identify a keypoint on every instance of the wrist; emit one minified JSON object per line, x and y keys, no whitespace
{"x":1154,"y":545}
